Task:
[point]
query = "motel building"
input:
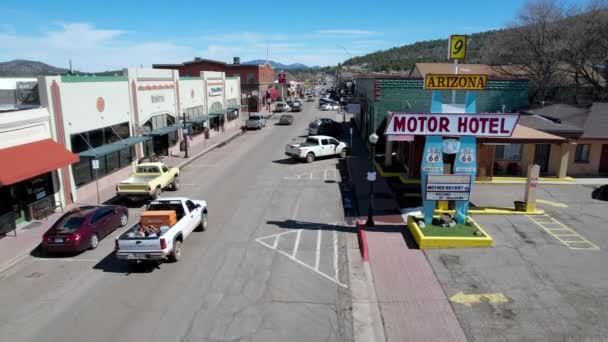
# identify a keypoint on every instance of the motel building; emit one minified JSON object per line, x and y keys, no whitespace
{"x":115,"y":120}
{"x":556,"y":152}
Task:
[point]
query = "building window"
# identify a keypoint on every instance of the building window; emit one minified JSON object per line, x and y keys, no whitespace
{"x":148,"y":148}
{"x":582,"y":153}
{"x":510,"y":152}
{"x":250,"y":78}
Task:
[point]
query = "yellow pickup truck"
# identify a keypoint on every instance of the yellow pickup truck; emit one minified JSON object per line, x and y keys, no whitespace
{"x":149,"y":180}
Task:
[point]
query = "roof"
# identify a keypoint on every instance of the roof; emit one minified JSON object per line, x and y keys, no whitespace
{"x":573,"y":115}
{"x":422,"y":69}
{"x":544,"y":124}
{"x":33,"y":159}
{"x":596,"y":125}
{"x":523,"y":134}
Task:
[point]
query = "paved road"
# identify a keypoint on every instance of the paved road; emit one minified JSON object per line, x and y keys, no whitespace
{"x":271,"y":267}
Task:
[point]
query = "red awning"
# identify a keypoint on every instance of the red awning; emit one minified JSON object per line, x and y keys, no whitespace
{"x":273,"y":93}
{"x":29,"y":160}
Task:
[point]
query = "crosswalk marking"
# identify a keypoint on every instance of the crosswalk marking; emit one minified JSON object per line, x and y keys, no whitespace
{"x":572,"y":238}
{"x":272,"y":242}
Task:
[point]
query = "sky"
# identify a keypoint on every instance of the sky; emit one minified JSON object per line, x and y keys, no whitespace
{"x":110,"y":35}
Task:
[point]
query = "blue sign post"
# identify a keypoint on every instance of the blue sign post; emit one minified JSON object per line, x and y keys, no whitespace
{"x":432,"y":160}
{"x":466,"y":159}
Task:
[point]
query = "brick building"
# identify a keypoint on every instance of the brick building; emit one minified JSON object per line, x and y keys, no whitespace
{"x":255,"y":79}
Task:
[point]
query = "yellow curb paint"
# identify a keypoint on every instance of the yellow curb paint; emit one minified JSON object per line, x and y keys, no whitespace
{"x":494,"y":211}
{"x":555,"y":204}
{"x":428,"y":242}
{"x":469,"y":299}
{"x":383,"y":173}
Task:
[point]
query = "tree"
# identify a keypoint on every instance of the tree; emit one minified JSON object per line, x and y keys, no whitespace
{"x":531,"y":46}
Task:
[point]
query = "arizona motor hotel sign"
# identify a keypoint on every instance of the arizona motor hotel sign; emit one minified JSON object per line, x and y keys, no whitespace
{"x":452,"y":124}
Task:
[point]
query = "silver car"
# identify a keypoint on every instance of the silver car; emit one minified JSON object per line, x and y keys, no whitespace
{"x":256,"y":121}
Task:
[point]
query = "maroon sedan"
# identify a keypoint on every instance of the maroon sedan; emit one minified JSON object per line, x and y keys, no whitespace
{"x":83,"y":227}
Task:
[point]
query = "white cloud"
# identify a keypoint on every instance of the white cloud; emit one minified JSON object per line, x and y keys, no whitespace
{"x":97,"y":49}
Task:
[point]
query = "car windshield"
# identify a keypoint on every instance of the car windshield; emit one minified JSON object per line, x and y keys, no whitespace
{"x":71,"y":223}
{"x":147,"y":169}
{"x":254,"y":117}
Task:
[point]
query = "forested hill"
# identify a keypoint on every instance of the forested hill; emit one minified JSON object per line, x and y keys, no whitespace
{"x":404,"y":57}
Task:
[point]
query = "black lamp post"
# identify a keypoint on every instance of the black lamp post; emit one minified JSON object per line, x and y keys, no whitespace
{"x":373,"y":139}
{"x":185,"y":131}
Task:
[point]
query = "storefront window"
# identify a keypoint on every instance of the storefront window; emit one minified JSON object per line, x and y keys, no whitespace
{"x":148,"y":148}
{"x":82,"y":171}
{"x":582,"y":153}
{"x":511,"y":152}
{"x":112,"y":162}
{"x":173,"y":138}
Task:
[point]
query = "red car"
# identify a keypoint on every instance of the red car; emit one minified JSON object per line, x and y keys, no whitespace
{"x":82,"y":228}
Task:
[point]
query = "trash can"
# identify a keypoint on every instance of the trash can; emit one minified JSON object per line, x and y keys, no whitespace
{"x":520,"y":205}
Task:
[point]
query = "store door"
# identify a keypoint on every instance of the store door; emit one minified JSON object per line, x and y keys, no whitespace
{"x":541,"y":156}
{"x":604,"y":159}
{"x":161,"y":145}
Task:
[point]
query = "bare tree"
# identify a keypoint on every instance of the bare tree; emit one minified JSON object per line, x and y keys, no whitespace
{"x":585,"y":53}
{"x":531,"y":46}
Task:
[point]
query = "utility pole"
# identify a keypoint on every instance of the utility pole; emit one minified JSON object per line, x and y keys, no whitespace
{"x":185,"y":131}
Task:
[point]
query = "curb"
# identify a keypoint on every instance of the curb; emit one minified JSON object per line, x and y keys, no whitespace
{"x":362,"y":237}
{"x":15,"y":260}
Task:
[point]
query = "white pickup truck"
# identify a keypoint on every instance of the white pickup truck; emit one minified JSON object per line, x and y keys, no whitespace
{"x":190,"y":214}
{"x":316,"y":146}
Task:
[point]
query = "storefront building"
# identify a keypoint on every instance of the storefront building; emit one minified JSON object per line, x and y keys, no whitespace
{"x":33,"y":164}
{"x":255,"y":80}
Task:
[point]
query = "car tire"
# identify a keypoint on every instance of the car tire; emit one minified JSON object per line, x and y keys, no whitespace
{"x":124,"y":220}
{"x":156,"y":193}
{"x":310,"y":157}
{"x":204,"y":223}
{"x":175,"y":184}
{"x":176,"y":254}
{"x":343,"y":153}
{"x":93,"y":241}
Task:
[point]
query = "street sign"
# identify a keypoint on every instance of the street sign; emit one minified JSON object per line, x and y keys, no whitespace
{"x":455,"y":82}
{"x":452,"y":124}
{"x":95,"y":164}
{"x":457,"y":48}
{"x":371,"y":176}
{"x":448,"y":187}
{"x":282,"y":78}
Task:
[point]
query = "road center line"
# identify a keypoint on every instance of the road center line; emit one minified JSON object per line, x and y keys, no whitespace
{"x":318,"y":251}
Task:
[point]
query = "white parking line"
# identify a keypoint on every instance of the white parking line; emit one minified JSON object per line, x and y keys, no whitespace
{"x":295,"y":248}
{"x":337,"y":276}
{"x":318,"y":252}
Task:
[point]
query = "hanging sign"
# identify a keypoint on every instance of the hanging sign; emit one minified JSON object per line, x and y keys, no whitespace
{"x":455,"y":82}
{"x":448,"y":187}
{"x":282,"y":78}
{"x":452,"y":124}
{"x":95,"y":164}
{"x":457,"y":48}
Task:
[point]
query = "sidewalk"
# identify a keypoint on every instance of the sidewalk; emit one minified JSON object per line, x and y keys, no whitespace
{"x":14,"y":248}
{"x":412,"y":303}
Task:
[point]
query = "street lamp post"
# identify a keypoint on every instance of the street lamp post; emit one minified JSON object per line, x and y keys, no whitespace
{"x":185,"y":131}
{"x":371,"y":177}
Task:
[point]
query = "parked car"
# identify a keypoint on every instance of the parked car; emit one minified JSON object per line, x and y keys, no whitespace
{"x":316,"y":146}
{"x":289,"y":103}
{"x":141,"y":242}
{"x":286,"y":119}
{"x":82,"y":228}
{"x":296,"y":107}
{"x":330,"y":106}
{"x":281,"y":107}
{"x":256,"y":121}
{"x":148,"y":181}
{"x":331,"y":128}
{"x":310,"y":99}
{"x":314,"y":125}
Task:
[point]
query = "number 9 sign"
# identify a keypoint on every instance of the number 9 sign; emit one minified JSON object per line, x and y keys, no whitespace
{"x":457,"y":46}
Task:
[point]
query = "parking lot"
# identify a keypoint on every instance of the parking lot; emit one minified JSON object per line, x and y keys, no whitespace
{"x":556,"y":286}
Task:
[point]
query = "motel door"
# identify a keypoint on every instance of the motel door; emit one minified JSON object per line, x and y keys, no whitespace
{"x":541,"y":156}
{"x":604,"y":159}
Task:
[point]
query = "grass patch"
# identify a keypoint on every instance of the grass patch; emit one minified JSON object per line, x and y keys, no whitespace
{"x":460,"y":230}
